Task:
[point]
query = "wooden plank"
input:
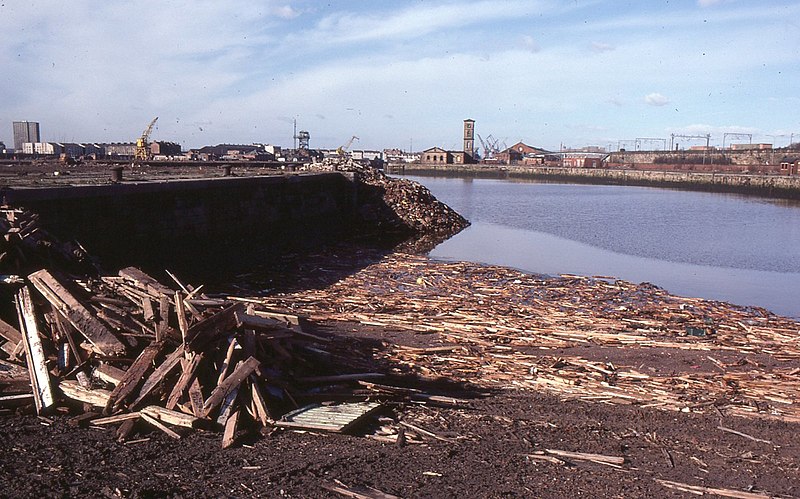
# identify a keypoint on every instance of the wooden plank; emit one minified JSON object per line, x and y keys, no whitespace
{"x":10,"y":349}
{"x":228,"y":406}
{"x":35,"y":356}
{"x":170,"y":417}
{"x":223,"y":369}
{"x":260,"y":403}
{"x":189,"y":367}
{"x":596,"y":458}
{"x":148,"y":311}
{"x":163,"y":317}
{"x":108,"y":373}
{"x":207,"y":330}
{"x":145,"y":282}
{"x":9,"y":332}
{"x":126,"y":429}
{"x":196,"y":398}
{"x":239,"y":374}
{"x":100,"y":336}
{"x":247,"y":321}
{"x":118,"y":418}
{"x":73,"y":390}
{"x":229,"y":436}
{"x":702,"y":490}
{"x":180,"y":309}
{"x":156,"y":423}
{"x":133,"y":376}
{"x":157,"y":376}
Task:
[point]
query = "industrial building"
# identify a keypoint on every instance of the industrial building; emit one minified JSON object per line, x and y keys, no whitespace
{"x":519,"y":153}
{"x":439,"y":156}
{"x":25,"y":131}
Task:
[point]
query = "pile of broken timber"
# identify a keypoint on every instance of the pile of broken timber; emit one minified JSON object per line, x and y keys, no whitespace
{"x":131,"y":349}
{"x":503,"y":328}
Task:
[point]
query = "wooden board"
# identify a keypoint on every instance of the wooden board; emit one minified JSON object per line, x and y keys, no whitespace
{"x":133,"y":376}
{"x":207,"y":330}
{"x":242,"y":371}
{"x":100,"y":336}
{"x":36,"y":359}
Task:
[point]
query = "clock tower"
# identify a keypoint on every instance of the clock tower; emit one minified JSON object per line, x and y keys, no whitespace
{"x":469,"y":139}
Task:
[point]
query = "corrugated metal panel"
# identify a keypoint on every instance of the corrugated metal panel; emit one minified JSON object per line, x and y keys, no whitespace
{"x":335,"y":418}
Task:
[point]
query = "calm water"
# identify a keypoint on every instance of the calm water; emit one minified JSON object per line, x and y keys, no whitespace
{"x":726,"y":247}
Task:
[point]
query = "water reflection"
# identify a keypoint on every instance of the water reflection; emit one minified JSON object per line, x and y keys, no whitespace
{"x":726,"y":247}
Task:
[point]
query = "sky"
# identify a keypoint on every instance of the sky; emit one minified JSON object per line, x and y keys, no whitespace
{"x":402,"y":74}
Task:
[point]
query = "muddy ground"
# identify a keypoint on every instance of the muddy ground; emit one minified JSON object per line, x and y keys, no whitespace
{"x":483,"y":451}
{"x":489,"y":443}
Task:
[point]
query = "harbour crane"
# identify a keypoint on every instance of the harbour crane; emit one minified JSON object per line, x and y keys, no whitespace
{"x":342,"y":150}
{"x":491,"y":146}
{"x":143,"y":143}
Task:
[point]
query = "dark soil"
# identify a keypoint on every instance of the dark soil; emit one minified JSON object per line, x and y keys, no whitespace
{"x":488,"y":441}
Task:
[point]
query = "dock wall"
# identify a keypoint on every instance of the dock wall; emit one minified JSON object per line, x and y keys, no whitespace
{"x":762,"y":185}
{"x":186,"y":223}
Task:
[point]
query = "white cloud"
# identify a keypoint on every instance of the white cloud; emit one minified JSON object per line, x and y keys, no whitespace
{"x":286,"y":12}
{"x":656,"y":99}
{"x":411,"y":22}
{"x":708,"y":3}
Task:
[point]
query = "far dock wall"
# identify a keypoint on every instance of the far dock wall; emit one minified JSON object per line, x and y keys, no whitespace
{"x":762,"y":185}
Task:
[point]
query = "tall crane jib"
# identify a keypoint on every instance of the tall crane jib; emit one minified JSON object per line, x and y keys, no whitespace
{"x":143,"y":143}
{"x":342,"y":150}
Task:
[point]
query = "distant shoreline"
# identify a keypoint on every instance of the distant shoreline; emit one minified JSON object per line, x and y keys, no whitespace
{"x":772,"y":186}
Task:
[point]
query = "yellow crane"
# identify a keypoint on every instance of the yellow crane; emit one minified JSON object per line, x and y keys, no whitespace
{"x":342,"y":150}
{"x":143,"y":142}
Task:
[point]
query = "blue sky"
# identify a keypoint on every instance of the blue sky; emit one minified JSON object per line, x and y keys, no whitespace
{"x":397,"y":73}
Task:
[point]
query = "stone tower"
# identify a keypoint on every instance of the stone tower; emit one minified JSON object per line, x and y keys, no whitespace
{"x":469,"y":139}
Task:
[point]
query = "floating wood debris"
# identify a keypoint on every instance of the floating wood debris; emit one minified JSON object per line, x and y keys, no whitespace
{"x":500,"y":328}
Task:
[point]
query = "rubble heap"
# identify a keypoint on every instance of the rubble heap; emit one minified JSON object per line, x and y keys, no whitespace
{"x":399,"y":206}
{"x":26,"y":246}
{"x":127,"y":348}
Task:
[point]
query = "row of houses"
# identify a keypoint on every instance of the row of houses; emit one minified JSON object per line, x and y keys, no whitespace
{"x":97,"y":150}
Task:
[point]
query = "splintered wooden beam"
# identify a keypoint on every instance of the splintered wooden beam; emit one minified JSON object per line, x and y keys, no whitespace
{"x":10,"y":333}
{"x":260,"y":403}
{"x":207,"y":330}
{"x":170,"y":417}
{"x":157,"y":376}
{"x":73,"y":390}
{"x":180,"y":310}
{"x":229,"y":436}
{"x":189,"y":367}
{"x":196,"y":397}
{"x":36,"y":359}
{"x":100,"y":336}
{"x":133,"y":376}
{"x":154,"y":422}
{"x":145,"y":282}
{"x":242,"y":371}
{"x":247,"y":321}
